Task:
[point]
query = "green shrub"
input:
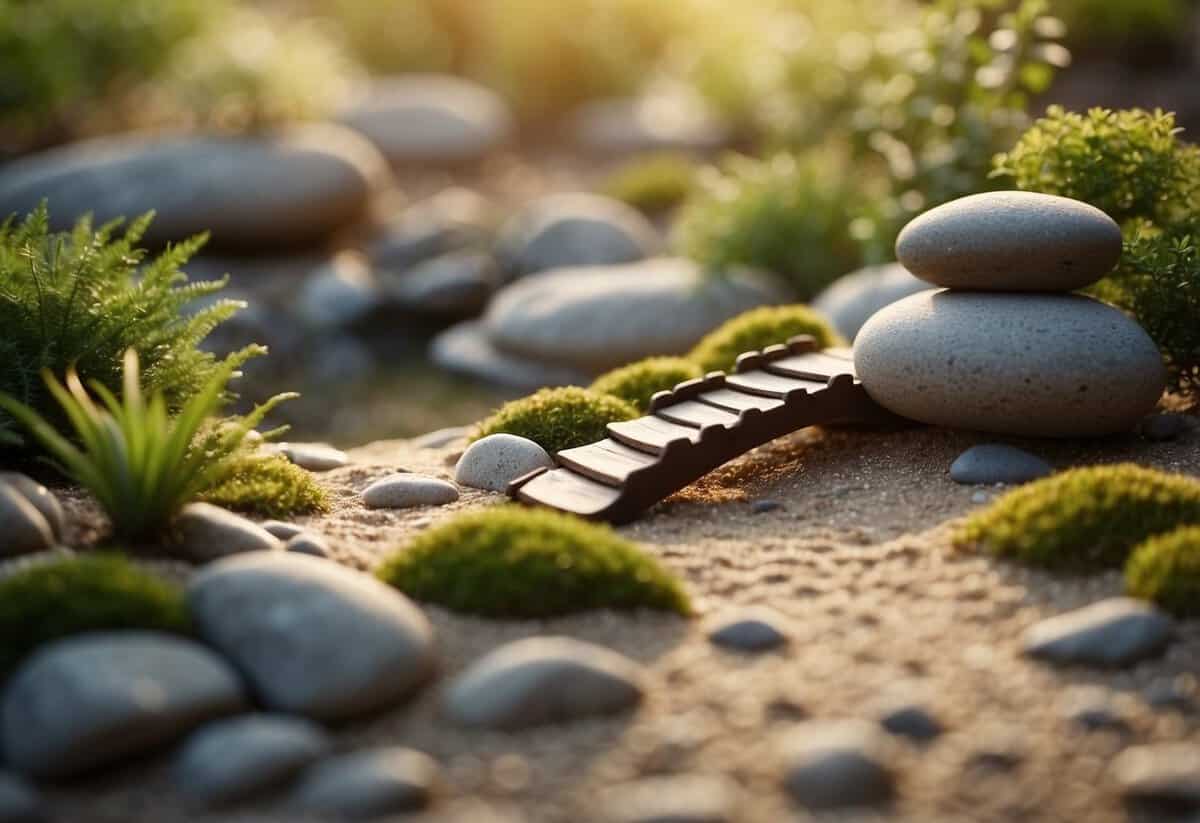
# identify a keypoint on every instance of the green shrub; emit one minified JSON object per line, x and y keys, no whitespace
{"x":266,"y":485}
{"x":638,"y":382}
{"x":80,"y":299}
{"x":526,"y":563}
{"x":1084,"y":518}
{"x":558,"y":419}
{"x":653,"y":183}
{"x":59,"y":598}
{"x":1166,"y":569}
{"x":755,"y":330}
{"x":141,"y":464}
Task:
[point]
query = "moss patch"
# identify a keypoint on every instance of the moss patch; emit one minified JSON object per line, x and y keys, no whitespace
{"x":638,"y":382}
{"x":525,"y":563}
{"x":268,"y":485}
{"x":653,"y":183}
{"x":1084,"y":518}
{"x":1166,"y":569}
{"x":757,"y":329}
{"x":558,"y":419}
{"x":81,"y":594}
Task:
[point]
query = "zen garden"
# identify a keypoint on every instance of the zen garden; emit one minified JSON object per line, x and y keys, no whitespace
{"x":599,"y":411}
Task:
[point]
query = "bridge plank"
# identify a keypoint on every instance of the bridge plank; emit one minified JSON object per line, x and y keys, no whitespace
{"x":737,"y":402}
{"x":570,"y":492}
{"x":769,"y":385}
{"x":815,"y":366}
{"x":651,"y":434}
{"x":692,"y":413}
{"x":607,"y":461}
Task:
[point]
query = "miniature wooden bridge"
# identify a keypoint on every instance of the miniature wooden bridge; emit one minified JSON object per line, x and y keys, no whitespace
{"x":701,"y":425}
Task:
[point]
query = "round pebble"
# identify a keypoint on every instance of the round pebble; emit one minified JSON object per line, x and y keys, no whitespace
{"x":1116,"y":632}
{"x":308,"y":543}
{"x":400,"y":491}
{"x":42,"y":499}
{"x":494,"y":461}
{"x":832,"y":765}
{"x":994,"y":463}
{"x":368,"y":784}
{"x":23,"y":530}
{"x":316,"y":457}
{"x":749,"y":630}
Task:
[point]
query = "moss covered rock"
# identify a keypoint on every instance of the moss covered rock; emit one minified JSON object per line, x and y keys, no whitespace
{"x":1084,"y":518}
{"x":757,"y":329}
{"x":63,"y":597}
{"x":524,"y":563}
{"x":268,"y":485}
{"x":1166,"y":569}
{"x":638,"y":382}
{"x":558,"y":419}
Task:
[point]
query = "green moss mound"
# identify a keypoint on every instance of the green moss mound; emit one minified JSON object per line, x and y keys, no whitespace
{"x":654,"y":183}
{"x":558,"y":419}
{"x":267,"y":485}
{"x":638,"y":382}
{"x":525,"y":563}
{"x":81,"y":594}
{"x":1166,"y":569}
{"x":757,"y":329}
{"x":1084,"y":519}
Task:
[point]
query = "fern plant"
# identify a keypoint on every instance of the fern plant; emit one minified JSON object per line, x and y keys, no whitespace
{"x":141,"y":463}
{"x":81,"y":298}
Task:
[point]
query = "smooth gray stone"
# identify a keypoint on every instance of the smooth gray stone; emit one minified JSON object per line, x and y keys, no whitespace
{"x":231,"y":760}
{"x":753,"y":629}
{"x":851,"y":300}
{"x":466,"y":349}
{"x":284,"y":531}
{"x":1011,"y":241}
{"x":456,"y":284}
{"x":1020,"y":364}
{"x":23,"y":530}
{"x":42,"y":499}
{"x":293,"y":187}
{"x":599,"y":318}
{"x":91,"y":700}
{"x":912,"y":721}
{"x":652,"y":123}
{"x":543,"y":680}
{"x":430,"y":118}
{"x":995,"y":463}
{"x":401,"y":491}
{"x":494,"y":461}
{"x":679,"y":798}
{"x":1115,"y":632}
{"x":204,"y":532}
{"x":576,"y":230}
{"x":839,"y":764}
{"x":1159,"y":773}
{"x":338,"y":294}
{"x":312,"y":637}
{"x":308,"y":543}
{"x":368,"y":784}
{"x":20,"y":801}
{"x":315,"y":457}
{"x":454,"y":219}
{"x":441,"y":438}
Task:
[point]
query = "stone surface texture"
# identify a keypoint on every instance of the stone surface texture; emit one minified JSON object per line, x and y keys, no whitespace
{"x":204,"y":532}
{"x":494,"y":461}
{"x":401,"y":491}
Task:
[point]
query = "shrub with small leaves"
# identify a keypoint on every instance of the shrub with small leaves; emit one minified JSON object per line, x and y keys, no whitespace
{"x":524,"y":563}
{"x":653,"y":183}
{"x":640,"y":381}
{"x":58,"y":598}
{"x":1166,"y":569}
{"x":268,"y":485}
{"x":1084,"y":519}
{"x":755,"y":330}
{"x":558,"y":419}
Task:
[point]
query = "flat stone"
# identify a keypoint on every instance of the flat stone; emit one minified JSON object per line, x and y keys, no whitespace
{"x":753,"y":629}
{"x":441,"y":438}
{"x":834,"y":765}
{"x":680,"y":798}
{"x":339,"y":294}
{"x":42,"y":499}
{"x":316,"y":457}
{"x":494,"y":461}
{"x":401,"y":491}
{"x":466,"y":349}
{"x":293,"y":187}
{"x":284,"y":531}
{"x":429,"y":118}
{"x":368,"y":784}
{"x":575,"y":230}
{"x":1018,"y":364}
{"x":1116,"y":632}
{"x":20,"y":801}
{"x":1160,"y":773}
{"x":308,"y":543}
{"x":995,"y":463}
{"x":312,"y":637}
{"x":595,"y":319}
{"x":454,"y":219}
{"x":91,"y":700}
{"x":231,"y":760}
{"x":543,"y":680}
{"x":456,"y":284}
{"x":910,"y":720}
{"x":204,"y":532}
{"x":23,"y":529}
{"x":1011,"y":241}
{"x":850,"y":300}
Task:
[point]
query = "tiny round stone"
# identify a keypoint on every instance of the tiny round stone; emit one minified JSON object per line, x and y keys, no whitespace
{"x":308,"y":543}
{"x":316,"y":457}
{"x":399,"y":491}
{"x":749,"y":630}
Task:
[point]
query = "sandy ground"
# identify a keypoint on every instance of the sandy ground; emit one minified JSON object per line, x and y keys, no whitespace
{"x":859,"y":557}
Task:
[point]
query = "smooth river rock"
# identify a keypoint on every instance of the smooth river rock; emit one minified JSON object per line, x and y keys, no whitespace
{"x":23,"y":529}
{"x":850,"y":300}
{"x":42,"y":499}
{"x":1036,"y":365}
{"x":494,"y":461}
{"x":1011,"y":241}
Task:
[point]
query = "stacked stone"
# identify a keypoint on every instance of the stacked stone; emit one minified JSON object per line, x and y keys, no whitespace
{"x":1005,"y":346}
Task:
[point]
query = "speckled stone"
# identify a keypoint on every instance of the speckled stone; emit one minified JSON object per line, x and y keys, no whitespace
{"x":1039,"y":365}
{"x":401,"y":491}
{"x":494,"y":461}
{"x":1011,"y":241}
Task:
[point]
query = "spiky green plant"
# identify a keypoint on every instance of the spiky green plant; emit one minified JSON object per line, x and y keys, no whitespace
{"x":141,"y":463}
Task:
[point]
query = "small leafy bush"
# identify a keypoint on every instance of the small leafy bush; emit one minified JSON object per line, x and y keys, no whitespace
{"x":1084,"y":519}
{"x":141,"y":464}
{"x":653,"y":183}
{"x":268,"y":485}
{"x":80,"y":299}
{"x":1166,"y":569}
{"x":755,"y":330}
{"x":558,"y":419}
{"x":638,"y":382}
{"x":525,"y":563}
{"x":59,"y":598}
